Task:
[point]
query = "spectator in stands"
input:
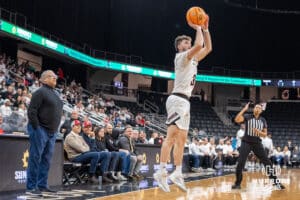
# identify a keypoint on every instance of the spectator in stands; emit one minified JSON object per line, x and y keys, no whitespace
{"x":135,"y":136}
{"x":66,"y":127}
{"x":2,"y":65}
{"x":204,"y":149}
{"x":159,"y":140}
{"x":290,"y":146}
{"x":212,"y":148}
{"x":22,"y":110}
{"x":104,"y":157}
{"x":5,"y":109}
{"x":79,"y":151}
{"x":114,"y":156}
{"x":26,"y":97}
{"x":142,"y":137}
{"x":101,"y":112}
{"x":154,"y":135}
{"x":127,"y":145}
{"x":230,"y":155}
{"x":267,"y":142}
{"x":34,"y":86}
{"x":295,"y":159}
{"x":219,"y":161}
{"x":277,"y":156}
{"x":196,"y":156}
{"x":286,"y":156}
{"x":79,"y":107}
{"x":112,"y":146}
{"x":44,"y":115}
{"x":239,"y":136}
{"x":2,"y":76}
{"x":9,"y":93}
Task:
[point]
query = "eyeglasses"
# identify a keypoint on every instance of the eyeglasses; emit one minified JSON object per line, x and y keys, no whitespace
{"x":53,"y":76}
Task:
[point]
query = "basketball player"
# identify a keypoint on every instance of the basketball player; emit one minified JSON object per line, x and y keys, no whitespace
{"x":255,"y":127}
{"x":178,"y":105}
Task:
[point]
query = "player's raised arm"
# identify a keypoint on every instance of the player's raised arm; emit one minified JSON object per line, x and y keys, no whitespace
{"x":198,"y":41}
{"x":207,"y":42}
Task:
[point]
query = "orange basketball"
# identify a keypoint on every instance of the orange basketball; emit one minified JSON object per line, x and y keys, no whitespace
{"x":196,"y":15}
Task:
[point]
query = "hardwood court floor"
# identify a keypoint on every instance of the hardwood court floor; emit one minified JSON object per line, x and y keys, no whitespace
{"x":255,"y":186}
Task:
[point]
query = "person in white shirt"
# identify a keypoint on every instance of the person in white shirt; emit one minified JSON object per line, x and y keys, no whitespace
{"x":277,"y":156}
{"x":195,"y":155}
{"x":205,"y":150}
{"x":22,"y":110}
{"x":239,"y":136}
{"x":267,"y":142}
{"x":2,"y":77}
{"x":154,"y":135}
{"x":5,"y":109}
{"x":286,"y":156}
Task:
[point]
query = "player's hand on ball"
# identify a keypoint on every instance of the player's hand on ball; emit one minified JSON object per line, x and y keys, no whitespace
{"x":194,"y":26}
{"x":206,"y":23}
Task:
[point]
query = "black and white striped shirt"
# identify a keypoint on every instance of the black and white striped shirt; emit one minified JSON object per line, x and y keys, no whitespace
{"x":250,"y":124}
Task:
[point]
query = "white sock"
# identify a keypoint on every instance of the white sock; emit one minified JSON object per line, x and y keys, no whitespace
{"x":179,"y":169}
{"x":163,"y":166}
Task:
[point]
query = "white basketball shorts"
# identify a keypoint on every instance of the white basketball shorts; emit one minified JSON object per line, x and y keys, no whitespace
{"x":178,"y":110}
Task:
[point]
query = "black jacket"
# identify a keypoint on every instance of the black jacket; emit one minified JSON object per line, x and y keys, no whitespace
{"x":45,"y":109}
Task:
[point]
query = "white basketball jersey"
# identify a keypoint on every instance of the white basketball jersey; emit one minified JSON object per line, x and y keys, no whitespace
{"x":185,"y":74}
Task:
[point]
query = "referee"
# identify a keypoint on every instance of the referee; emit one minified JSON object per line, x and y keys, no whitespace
{"x":256,"y":127}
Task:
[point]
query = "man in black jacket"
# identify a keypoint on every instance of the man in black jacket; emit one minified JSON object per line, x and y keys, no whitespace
{"x":111,"y":145}
{"x":44,"y":114}
{"x":127,"y":145}
{"x":89,"y":137}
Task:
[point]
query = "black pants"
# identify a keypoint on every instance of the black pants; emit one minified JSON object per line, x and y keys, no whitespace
{"x":260,"y":153}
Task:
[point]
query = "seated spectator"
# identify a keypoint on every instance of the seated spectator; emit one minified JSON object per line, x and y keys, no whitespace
{"x":22,"y":110}
{"x":104,"y":157}
{"x":277,"y":156}
{"x":79,"y":107}
{"x":229,"y":154}
{"x":2,"y":77}
{"x":111,"y":141}
{"x":295,"y":159}
{"x":65,"y":129}
{"x":154,"y":135}
{"x":195,"y":155}
{"x":219,"y":161}
{"x":114,"y":156}
{"x":142,"y":138}
{"x":204,"y":149}
{"x":79,"y":151}
{"x":127,"y":145}
{"x":286,"y":156}
{"x":159,"y":140}
{"x":34,"y":86}
{"x":5,"y":109}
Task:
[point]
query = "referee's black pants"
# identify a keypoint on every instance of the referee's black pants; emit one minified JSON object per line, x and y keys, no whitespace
{"x":260,"y":153}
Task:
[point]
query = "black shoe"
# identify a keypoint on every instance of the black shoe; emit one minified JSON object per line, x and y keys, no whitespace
{"x":33,"y":192}
{"x":106,"y":179}
{"x":236,"y":187}
{"x":138,"y":177}
{"x":132,"y":178}
{"x":279,"y":186}
{"x":93,"y":180}
{"x":47,"y":190}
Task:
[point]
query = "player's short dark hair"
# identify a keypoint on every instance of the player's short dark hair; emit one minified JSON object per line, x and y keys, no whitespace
{"x":179,"y":39}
